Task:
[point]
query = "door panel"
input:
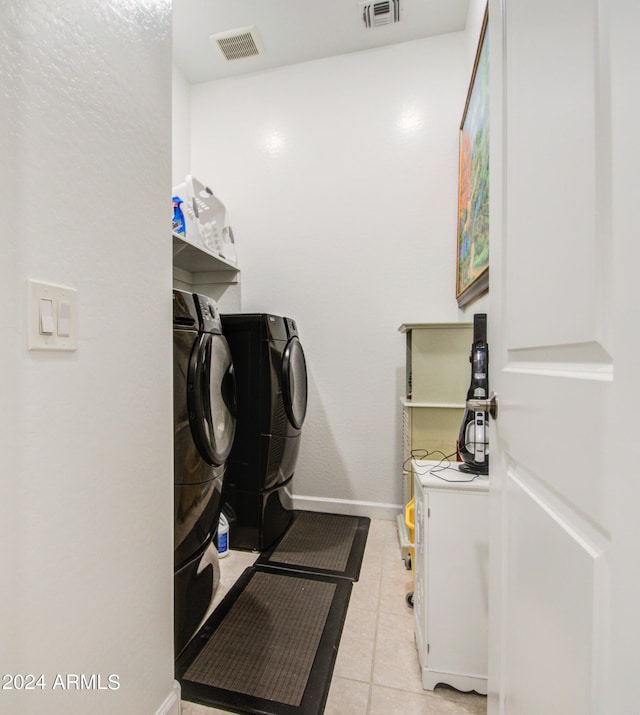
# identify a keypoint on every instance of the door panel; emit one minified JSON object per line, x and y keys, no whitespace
{"x":551,"y":359}
{"x":559,"y":447}
{"x":556,"y":588}
{"x":551,"y":90}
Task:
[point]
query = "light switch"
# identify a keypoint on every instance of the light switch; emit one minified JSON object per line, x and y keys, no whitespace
{"x":52,"y":317}
{"x":46,"y":316}
{"x":64,"y":319}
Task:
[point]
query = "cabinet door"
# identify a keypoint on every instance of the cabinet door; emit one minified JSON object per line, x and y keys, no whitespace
{"x":458,"y":562}
{"x":419,"y":574}
{"x":407,"y":446}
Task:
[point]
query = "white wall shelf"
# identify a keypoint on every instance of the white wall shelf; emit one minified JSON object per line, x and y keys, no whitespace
{"x":197,"y":269}
{"x":194,"y":259}
{"x":437,"y":378}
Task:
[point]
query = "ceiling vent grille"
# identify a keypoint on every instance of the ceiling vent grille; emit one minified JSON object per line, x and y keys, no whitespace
{"x":382,"y":12}
{"x":238,"y":44}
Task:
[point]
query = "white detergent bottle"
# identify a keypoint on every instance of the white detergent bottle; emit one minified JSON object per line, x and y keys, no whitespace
{"x":223,"y":536}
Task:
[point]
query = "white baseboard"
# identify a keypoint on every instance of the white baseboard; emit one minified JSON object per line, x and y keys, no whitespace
{"x":171,"y":705}
{"x":374,"y":510}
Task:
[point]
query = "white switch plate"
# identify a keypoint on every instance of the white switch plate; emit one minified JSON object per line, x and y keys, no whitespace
{"x":65,"y":305}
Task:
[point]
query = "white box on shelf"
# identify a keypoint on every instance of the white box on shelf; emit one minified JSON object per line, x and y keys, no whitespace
{"x":206,"y":221}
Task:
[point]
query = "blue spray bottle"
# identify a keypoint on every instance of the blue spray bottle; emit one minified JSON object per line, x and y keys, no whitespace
{"x":179,"y":226}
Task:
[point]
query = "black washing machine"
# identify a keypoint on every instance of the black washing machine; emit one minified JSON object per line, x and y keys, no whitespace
{"x":271,"y":380}
{"x":204,"y":428}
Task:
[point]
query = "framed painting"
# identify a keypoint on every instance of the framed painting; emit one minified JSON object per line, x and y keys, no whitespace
{"x":472,"y":279}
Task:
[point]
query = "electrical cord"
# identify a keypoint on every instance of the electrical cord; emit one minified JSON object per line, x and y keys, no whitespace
{"x":434,"y":470}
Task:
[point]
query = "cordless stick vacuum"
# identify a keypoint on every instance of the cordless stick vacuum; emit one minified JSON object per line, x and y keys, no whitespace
{"x":473,"y":440}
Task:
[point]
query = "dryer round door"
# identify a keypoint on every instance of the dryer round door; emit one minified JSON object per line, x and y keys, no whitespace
{"x":294,"y":379}
{"x":211,"y":396}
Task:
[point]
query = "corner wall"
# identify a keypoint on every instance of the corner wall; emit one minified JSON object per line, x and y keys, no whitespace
{"x":180,"y":127}
{"x":86,"y":514}
{"x":341,"y":179}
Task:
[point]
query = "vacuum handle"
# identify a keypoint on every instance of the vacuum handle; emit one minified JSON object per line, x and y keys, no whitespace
{"x":490,"y":405}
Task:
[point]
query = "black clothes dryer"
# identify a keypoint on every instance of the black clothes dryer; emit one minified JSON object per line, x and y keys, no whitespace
{"x":204,"y":428}
{"x":271,"y":379}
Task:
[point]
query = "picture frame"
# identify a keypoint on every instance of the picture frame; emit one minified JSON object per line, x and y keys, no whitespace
{"x":472,"y":262}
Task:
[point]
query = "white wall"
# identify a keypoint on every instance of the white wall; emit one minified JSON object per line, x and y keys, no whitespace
{"x":180,"y":127}
{"x":341,"y":178}
{"x":86,"y":509}
{"x":475,"y":16}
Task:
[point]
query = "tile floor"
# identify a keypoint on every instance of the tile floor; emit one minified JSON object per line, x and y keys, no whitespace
{"x":377,"y":670}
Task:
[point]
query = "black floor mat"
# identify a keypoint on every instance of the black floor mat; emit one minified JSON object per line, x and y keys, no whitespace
{"x":316,"y":542}
{"x":270,"y":646}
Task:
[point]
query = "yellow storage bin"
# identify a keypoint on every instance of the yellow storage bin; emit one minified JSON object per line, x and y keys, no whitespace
{"x":409,"y":520}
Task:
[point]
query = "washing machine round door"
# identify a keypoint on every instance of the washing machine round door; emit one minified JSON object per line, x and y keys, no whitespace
{"x":211,"y":396}
{"x":294,"y":374}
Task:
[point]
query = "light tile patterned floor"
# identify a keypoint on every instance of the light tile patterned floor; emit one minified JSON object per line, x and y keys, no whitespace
{"x":377,"y":670}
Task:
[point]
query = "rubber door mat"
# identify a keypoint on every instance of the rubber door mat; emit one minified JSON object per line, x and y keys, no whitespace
{"x":316,"y":542}
{"x":270,"y":645}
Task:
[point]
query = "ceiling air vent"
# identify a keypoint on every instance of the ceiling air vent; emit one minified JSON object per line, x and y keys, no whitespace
{"x":238,"y":44}
{"x":383,"y":12}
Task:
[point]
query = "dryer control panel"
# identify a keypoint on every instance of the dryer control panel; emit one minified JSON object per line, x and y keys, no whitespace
{"x":291,"y":327}
{"x":209,"y":314}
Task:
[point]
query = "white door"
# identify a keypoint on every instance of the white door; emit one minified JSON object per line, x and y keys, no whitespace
{"x":563,"y":328}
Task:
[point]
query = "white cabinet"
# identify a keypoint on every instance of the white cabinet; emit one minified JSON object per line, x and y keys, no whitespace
{"x":450,"y":577}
